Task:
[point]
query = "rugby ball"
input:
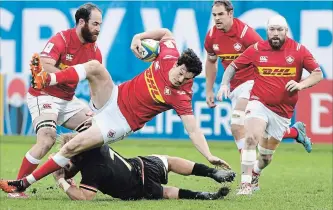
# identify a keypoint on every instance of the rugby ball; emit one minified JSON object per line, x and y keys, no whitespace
{"x":150,"y":49}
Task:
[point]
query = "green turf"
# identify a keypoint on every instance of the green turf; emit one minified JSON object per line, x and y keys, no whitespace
{"x":294,"y":180}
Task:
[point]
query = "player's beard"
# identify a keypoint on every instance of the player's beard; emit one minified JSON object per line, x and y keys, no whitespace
{"x":87,"y":35}
{"x":274,"y":44}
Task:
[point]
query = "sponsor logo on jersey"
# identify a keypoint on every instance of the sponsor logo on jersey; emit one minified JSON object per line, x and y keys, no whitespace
{"x":263,"y":59}
{"x":237,"y":46}
{"x":167,"y":91}
{"x":277,"y":71}
{"x":62,"y":66}
{"x":69,"y":57}
{"x":229,"y":57}
{"x":47,"y":106}
{"x":111,"y":134}
{"x":152,"y":86}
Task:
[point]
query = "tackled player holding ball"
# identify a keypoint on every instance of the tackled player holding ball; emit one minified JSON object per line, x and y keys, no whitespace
{"x":165,"y":85}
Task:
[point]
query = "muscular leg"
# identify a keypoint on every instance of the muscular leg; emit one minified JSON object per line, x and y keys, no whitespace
{"x":46,"y":137}
{"x":237,"y":123}
{"x":255,"y":128}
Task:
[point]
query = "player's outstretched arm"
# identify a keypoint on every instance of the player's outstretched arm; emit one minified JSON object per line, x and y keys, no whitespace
{"x":72,"y":191}
{"x":199,"y":140}
{"x":211,"y":71}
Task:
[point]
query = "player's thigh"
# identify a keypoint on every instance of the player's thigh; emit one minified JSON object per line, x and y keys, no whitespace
{"x":238,"y":113}
{"x":100,"y":82}
{"x":255,"y":122}
{"x":43,"y":111}
{"x":88,"y":139}
{"x":269,"y":143}
{"x":77,"y":119}
{"x":277,"y":125}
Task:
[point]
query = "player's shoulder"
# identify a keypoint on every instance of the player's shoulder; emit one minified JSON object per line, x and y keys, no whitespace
{"x":211,"y":33}
{"x":295,"y":46}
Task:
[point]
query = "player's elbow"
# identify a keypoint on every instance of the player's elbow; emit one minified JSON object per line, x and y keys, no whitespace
{"x":167,"y":32}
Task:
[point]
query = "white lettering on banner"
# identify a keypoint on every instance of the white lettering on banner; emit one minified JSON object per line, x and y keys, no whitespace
{"x":7,"y":47}
{"x":110,"y":27}
{"x":251,"y":18}
{"x":200,"y":117}
{"x":32,"y":21}
{"x":171,"y":118}
{"x":222,"y":121}
{"x":311,"y":22}
{"x":316,"y":110}
{"x":151,"y":18}
{"x":216,"y":122}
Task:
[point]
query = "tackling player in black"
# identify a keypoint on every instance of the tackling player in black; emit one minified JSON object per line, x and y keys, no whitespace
{"x":103,"y":169}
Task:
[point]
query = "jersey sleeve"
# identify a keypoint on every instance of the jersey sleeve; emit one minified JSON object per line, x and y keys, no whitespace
{"x":245,"y":59}
{"x":309,"y":63}
{"x":168,"y":49}
{"x":208,"y":43}
{"x":90,"y":179}
{"x":54,"y":47}
{"x":99,"y":55}
{"x":251,"y":37}
{"x":182,"y":103}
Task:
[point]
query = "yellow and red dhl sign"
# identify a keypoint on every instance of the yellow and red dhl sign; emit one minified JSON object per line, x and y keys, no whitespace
{"x":1,"y":104}
{"x":152,"y":87}
{"x":277,"y":71}
{"x":229,"y":57}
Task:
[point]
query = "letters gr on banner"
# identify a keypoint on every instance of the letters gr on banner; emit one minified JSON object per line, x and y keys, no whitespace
{"x":314,"y":108}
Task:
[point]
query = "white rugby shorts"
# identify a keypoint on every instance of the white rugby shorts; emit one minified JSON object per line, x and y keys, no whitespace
{"x":276,"y":125}
{"x":52,"y":105}
{"x":242,"y":91}
{"x":111,"y":122}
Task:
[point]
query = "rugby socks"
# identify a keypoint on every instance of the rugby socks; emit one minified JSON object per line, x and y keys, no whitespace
{"x":187,"y":194}
{"x":55,"y":163}
{"x":256,"y":168}
{"x":292,"y":133}
{"x":72,"y":74}
{"x":248,"y":160}
{"x":202,"y":170}
{"x":240,"y":144}
{"x":29,"y":164}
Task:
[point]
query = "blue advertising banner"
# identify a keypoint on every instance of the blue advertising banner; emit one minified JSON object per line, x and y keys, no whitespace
{"x":26,"y":26}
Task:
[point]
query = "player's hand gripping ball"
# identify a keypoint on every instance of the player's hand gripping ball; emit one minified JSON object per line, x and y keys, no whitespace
{"x":150,"y":50}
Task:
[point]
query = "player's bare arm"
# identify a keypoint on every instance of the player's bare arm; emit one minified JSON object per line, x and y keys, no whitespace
{"x":199,"y":140}
{"x":227,"y":77}
{"x":158,"y":34}
{"x":72,"y":191}
{"x":49,"y":65}
{"x":211,"y":71}
{"x":314,"y":78}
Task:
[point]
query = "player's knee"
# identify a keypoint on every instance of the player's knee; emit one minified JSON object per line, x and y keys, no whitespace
{"x":71,"y":147}
{"x":93,"y":67}
{"x":46,"y":138}
{"x":251,"y":140}
{"x":237,"y":131}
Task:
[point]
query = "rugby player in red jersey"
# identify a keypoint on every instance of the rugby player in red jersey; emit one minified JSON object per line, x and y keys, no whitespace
{"x":279,"y":63}
{"x":122,"y":109}
{"x":57,"y":105}
{"x":227,"y":40}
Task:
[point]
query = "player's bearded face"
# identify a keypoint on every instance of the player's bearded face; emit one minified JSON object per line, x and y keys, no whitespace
{"x":88,"y":34}
{"x":276,"y":36}
{"x":179,"y":75}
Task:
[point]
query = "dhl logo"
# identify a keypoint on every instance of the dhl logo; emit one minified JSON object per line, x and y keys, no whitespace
{"x":63,"y":66}
{"x":152,"y":87}
{"x":277,"y":71}
{"x":229,"y":57}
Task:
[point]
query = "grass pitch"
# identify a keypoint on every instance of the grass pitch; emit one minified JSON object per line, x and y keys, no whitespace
{"x":294,"y":180}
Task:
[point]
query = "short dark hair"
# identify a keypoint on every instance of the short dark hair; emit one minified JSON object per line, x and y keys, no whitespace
{"x":84,"y":12}
{"x":226,"y":3}
{"x":191,"y":61}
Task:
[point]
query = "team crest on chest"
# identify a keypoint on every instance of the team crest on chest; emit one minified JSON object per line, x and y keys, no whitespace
{"x":237,"y":46}
{"x":167,"y":91}
{"x":216,"y":47}
{"x":290,"y":59}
